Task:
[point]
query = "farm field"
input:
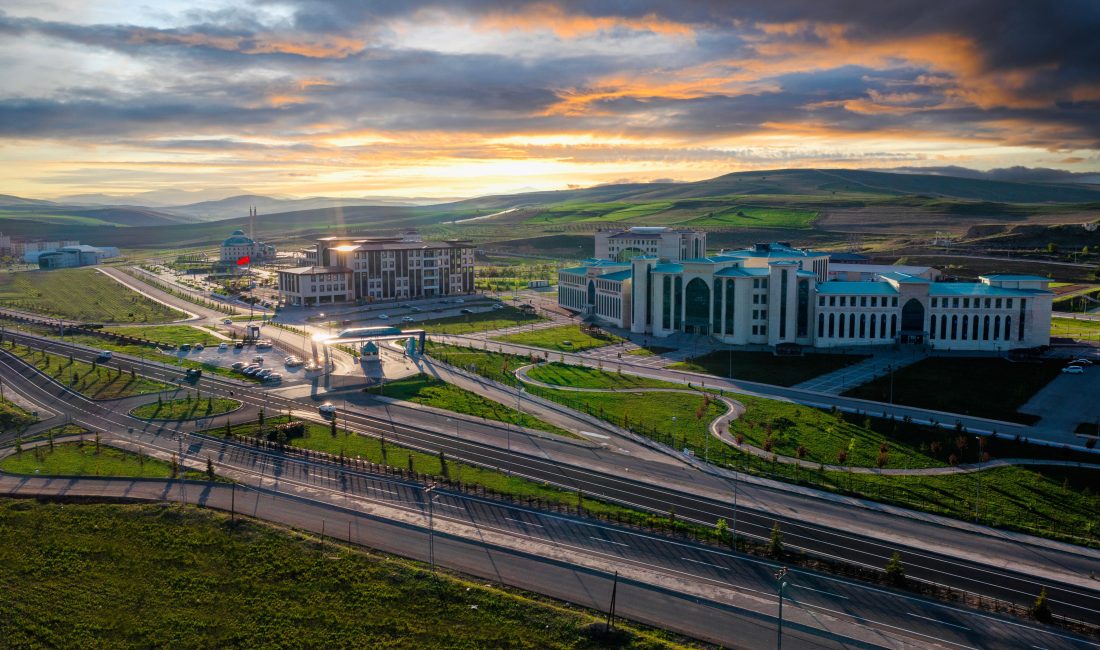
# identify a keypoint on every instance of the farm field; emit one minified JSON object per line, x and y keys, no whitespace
{"x":984,"y":387}
{"x":249,"y":584}
{"x":96,"y":382}
{"x":765,"y":367}
{"x":567,"y":338}
{"x":80,"y":294}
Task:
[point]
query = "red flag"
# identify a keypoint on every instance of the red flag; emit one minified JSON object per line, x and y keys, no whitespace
{"x":241,"y":261}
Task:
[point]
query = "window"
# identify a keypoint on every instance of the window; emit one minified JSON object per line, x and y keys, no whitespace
{"x":820,"y":325}
{"x":821,"y":301}
{"x":966,"y":303}
{"x":934,"y":302}
{"x":832,"y":301}
{"x":756,"y":299}
{"x":998,"y":303}
{"x":965,"y":329}
{"x":895,"y":302}
{"x":832,"y":330}
{"x":756,"y":314}
{"x":863,"y":326}
{"x":1008,"y":303}
{"x":863,"y":301}
{"x":874,"y":301}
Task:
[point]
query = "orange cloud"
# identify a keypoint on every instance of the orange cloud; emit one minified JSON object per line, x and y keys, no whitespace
{"x":571,"y":26}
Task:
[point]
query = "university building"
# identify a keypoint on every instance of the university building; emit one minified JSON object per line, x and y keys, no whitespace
{"x":775,"y":293}
{"x":379,"y":268}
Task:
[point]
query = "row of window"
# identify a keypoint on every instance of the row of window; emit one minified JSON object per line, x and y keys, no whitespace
{"x":857,"y":326}
{"x":968,"y":303}
{"x":864,"y":301}
{"x":972,"y":327}
{"x":608,"y":306}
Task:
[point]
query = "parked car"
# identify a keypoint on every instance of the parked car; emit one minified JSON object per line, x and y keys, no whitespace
{"x":186,"y":347}
{"x":263,"y":344}
{"x":328,"y":408}
{"x":264,"y":373}
{"x":293,"y":361}
{"x":227,"y":321}
{"x":250,"y":370}
{"x":1080,"y":362}
{"x":238,"y":365}
{"x":199,"y":347}
{"x":238,"y":345}
{"x":258,"y":360}
{"x":1074,"y":370}
{"x":274,"y":378}
{"x":222,"y":347}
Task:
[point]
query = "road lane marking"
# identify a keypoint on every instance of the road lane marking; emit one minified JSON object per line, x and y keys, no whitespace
{"x":525,"y":523}
{"x":936,"y":620}
{"x":716,"y":566}
{"x":607,"y":541}
{"x":447,"y":505}
{"x":821,"y":591}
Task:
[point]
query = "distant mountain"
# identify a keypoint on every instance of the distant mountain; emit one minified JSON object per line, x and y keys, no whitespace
{"x":152,"y":199}
{"x":7,"y":200}
{"x":1013,"y":174}
{"x":236,"y":206}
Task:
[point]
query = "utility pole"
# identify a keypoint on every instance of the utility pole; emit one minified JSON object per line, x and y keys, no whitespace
{"x":780,"y":577}
{"x":431,"y":526}
{"x":610,"y":625}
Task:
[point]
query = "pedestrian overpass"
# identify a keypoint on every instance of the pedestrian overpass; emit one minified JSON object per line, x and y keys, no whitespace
{"x":416,"y":340}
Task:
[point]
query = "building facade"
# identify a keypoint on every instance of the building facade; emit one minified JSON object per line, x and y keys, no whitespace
{"x":665,"y":243}
{"x":239,"y":245}
{"x":308,"y":286}
{"x":71,"y":256}
{"x":391,"y":268}
{"x":774,"y":294}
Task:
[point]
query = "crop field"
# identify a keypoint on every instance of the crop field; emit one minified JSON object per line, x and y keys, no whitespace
{"x":756,"y":217}
{"x":53,"y":219}
{"x":144,"y":576}
{"x":80,"y":294}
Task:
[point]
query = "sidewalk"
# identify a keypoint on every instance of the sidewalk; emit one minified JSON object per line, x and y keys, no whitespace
{"x":881,"y":363}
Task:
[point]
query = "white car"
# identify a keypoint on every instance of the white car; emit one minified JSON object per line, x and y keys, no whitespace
{"x":1080,"y":362}
{"x":293,"y":362}
{"x":459,"y":301}
{"x":328,"y":408}
{"x":222,"y":347}
{"x":199,"y":347}
{"x":264,"y":374}
{"x":383,"y":317}
{"x":250,"y":370}
{"x":273,"y":378}
{"x":239,"y":365}
{"x":1073,"y":370}
{"x":407,"y":319}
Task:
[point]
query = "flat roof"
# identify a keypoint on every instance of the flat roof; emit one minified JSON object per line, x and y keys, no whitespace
{"x":878,"y":268}
{"x":837,"y":288}
{"x":668,"y":268}
{"x":1009,"y":277}
{"x":315,"y":270}
{"x":981,"y":289}
{"x":904,"y":278}
{"x":618,"y":276}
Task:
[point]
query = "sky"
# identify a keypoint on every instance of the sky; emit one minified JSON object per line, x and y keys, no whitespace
{"x":462,"y":98}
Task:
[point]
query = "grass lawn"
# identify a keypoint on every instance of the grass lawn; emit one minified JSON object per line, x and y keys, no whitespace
{"x":984,"y":387}
{"x":567,"y":338}
{"x":142,"y":576}
{"x":57,"y":432}
{"x":430,"y":391}
{"x":80,"y":294}
{"x":84,"y":459}
{"x":185,"y":409}
{"x":169,"y":334}
{"x":13,"y":417}
{"x":1073,"y":328}
{"x":495,"y":366}
{"x":766,"y":367}
{"x":95,"y":381}
{"x":650,"y":351}
{"x":493,"y":319}
{"x":561,"y":374}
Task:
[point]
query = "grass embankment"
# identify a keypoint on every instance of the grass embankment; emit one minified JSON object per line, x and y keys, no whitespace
{"x":80,"y":294}
{"x":567,"y":338}
{"x":494,"y":319}
{"x":430,"y":391}
{"x":93,"y":380}
{"x":187,"y":408}
{"x":984,"y":387}
{"x":170,"y":334}
{"x":13,"y":417}
{"x":766,"y":367}
{"x":650,"y":351}
{"x":87,"y":458}
{"x":1075,"y":328}
{"x":144,"y":576}
{"x":562,"y":374}
{"x":1050,"y":501}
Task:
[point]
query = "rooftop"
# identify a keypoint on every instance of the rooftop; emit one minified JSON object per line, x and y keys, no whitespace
{"x":618,"y":276}
{"x":837,"y":288}
{"x":1008,"y":277}
{"x":315,"y":270}
{"x":903,"y":278}
{"x":980,"y":289}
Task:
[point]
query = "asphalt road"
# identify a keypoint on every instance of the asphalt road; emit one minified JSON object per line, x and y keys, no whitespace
{"x":659,"y":487}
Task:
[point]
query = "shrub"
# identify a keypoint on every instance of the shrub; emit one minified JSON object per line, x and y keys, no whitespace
{"x":895,"y":572}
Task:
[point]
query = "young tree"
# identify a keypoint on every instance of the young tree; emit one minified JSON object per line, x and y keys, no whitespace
{"x":722,"y":531}
{"x":209,"y":469}
{"x":775,"y":544}
{"x":332,"y":427}
{"x":1040,"y":610}
{"x":895,"y":572}
{"x":442,"y":463}
{"x":260,"y":420}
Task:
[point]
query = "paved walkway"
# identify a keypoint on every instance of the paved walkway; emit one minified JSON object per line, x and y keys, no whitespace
{"x":879,"y":364}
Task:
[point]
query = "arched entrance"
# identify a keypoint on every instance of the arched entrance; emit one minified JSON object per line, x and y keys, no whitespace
{"x":697,"y":307}
{"x":591,"y":292}
{"x":912,"y":322}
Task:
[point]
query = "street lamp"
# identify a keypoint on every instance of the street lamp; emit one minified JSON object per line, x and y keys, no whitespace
{"x":431,"y":525}
{"x":781,"y":583}
{"x":674,"y":432}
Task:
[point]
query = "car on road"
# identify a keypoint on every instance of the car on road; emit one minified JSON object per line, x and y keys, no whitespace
{"x":405,"y":305}
{"x":105,"y":355}
{"x":194,"y":373}
{"x":383,"y":317}
{"x":227,"y":321}
{"x":459,"y":301}
{"x":407,"y":319}
{"x":222,"y":347}
{"x":414,"y":309}
{"x":328,"y":408}
{"x":465,"y":310}
{"x":1074,"y":370}
{"x":498,"y":306}
{"x":1080,"y":362}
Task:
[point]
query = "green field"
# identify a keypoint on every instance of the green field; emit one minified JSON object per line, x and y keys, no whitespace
{"x":1074,"y":328}
{"x":127,"y":576}
{"x":169,"y":334}
{"x":495,"y":366}
{"x":95,"y":381}
{"x":766,"y":367}
{"x":86,"y":459}
{"x":186,"y":409}
{"x":561,"y":374}
{"x":13,"y":417}
{"x":756,"y":217}
{"x":984,"y":387}
{"x":430,"y":391}
{"x":80,"y":294}
{"x":567,"y":338}
{"x":59,"y":220}
{"x":494,"y":319}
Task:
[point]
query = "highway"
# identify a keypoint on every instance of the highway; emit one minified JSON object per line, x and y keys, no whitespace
{"x":661,"y":486}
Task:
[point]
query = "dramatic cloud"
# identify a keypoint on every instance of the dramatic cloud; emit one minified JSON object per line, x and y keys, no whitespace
{"x":311,"y":96}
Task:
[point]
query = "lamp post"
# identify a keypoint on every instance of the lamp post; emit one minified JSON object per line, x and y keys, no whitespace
{"x":781,"y":583}
{"x":978,"y":485}
{"x":429,"y":497}
{"x":674,"y":432}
